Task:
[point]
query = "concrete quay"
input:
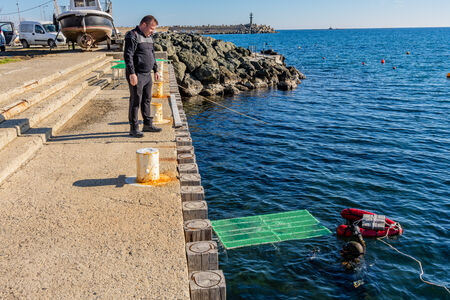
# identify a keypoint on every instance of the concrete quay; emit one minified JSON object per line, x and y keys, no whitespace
{"x":73,"y":224}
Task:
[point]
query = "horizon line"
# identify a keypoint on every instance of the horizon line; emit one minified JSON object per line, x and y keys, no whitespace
{"x":344,"y":28}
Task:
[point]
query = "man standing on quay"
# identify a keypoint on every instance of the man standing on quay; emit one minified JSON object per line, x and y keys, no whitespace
{"x":140,"y":60}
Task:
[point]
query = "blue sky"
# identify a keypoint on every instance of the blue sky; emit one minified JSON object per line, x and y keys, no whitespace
{"x":281,"y":14}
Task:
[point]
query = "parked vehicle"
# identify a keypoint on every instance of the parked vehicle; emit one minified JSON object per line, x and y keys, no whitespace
{"x":9,"y":32}
{"x":39,"y":33}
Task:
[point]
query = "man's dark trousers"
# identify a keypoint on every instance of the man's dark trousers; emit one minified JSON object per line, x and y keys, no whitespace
{"x":140,"y":96}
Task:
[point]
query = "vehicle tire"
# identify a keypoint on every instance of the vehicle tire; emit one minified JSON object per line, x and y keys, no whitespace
{"x":51,"y":43}
{"x":25,"y":44}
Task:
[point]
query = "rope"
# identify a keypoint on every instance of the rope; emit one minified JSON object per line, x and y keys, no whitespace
{"x":235,"y":111}
{"x":411,"y":257}
{"x":242,"y":114}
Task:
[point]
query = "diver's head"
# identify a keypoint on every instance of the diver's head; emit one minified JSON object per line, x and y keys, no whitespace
{"x":352,"y":250}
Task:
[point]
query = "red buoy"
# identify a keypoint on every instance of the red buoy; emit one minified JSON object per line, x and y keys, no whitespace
{"x":354,"y":215}
{"x":382,"y":61}
{"x":323,"y":57}
{"x":364,"y":63}
{"x":394,"y":68}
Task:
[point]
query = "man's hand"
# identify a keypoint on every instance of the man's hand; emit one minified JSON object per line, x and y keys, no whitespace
{"x":156,"y":76}
{"x":133,"y":79}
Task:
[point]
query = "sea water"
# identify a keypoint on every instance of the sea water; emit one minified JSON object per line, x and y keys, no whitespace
{"x":351,"y":135}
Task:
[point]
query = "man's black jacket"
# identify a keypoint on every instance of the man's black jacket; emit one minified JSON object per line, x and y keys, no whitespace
{"x":139,"y":53}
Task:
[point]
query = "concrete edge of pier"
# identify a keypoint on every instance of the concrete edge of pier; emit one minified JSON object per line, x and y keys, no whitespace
{"x":206,"y":281}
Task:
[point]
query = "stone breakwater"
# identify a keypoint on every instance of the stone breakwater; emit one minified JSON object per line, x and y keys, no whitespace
{"x":206,"y":66}
{"x":224,"y":29}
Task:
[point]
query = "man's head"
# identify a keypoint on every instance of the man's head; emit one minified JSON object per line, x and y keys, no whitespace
{"x":148,"y":25}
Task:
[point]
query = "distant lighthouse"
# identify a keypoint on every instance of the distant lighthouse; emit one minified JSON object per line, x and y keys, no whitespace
{"x":251,"y":22}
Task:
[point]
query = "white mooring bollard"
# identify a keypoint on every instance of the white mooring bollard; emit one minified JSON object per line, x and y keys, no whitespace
{"x":147,"y":165}
{"x":157,"y":112}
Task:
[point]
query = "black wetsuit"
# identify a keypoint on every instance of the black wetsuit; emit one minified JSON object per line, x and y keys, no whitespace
{"x":140,"y":59}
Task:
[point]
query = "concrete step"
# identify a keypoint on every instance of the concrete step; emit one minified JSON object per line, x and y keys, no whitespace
{"x":24,"y":147}
{"x":17,"y":153}
{"x":12,"y":128}
{"x":22,"y":102}
{"x":6,"y":95}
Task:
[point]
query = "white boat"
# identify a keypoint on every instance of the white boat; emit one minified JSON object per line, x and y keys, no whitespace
{"x":85,"y":23}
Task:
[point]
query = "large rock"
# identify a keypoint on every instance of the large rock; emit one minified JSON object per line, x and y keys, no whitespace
{"x":231,"y":90}
{"x":227,"y":77}
{"x":212,"y":89}
{"x":249,"y":68}
{"x":165,"y":44}
{"x":232,"y":54}
{"x":260,"y":84}
{"x":256,"y":65}
{"x":190,"y":86}
{"x":242,"y":73}
{"x":230,"y":64}
{"x":273,"y":80}
{"x":263,"y":73}
{"x":285,"y":75}
{"x":174,"y":58}
{"x":296,"y":72}
{"x":210,"y":53}
{"x":223,"y":47}
{"x":205,"y":41}
{"x":249,"y":85}
{"x":158,"y":47}
{"x":199,"y":47}
{"x":185,"y":42}
{"x":207,"y":73}
{"x":241,"y":87}
{"x":179,"y":69}
{"x":212,"y":62}
{"x":191,"y":59}
{"x":243,"y":52}
{"x":287,"y":85}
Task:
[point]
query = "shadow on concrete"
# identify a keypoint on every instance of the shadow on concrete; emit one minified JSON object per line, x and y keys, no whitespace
{"x":87,"y":136}
{"x":38,"y":51}
{"x":123,"y":123}
{"x":117,"y":182}
{"x":20,"y":125}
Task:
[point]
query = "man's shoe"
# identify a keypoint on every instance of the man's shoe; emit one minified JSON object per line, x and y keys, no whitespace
{"x":136,"y":134}
{"x":151,"y":128}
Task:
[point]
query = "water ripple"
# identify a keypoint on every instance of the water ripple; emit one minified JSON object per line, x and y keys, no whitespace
{"x":349,"y":136}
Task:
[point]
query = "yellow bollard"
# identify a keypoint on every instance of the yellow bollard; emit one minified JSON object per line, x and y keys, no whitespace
{"x":160,"y":89}
{"x":147,"y":165}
